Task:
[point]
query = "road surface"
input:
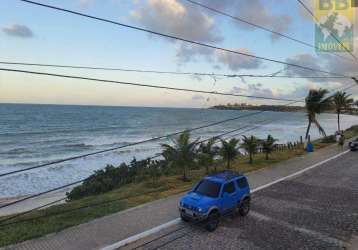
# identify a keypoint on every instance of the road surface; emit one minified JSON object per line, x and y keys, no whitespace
{"x":315,"y":210}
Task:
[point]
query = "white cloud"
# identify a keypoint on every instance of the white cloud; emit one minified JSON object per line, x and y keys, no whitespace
{"x":173,"y":17}
{"x":256,"y":89}
{"x":254,"y":11}
{"x":236,"y":62}
{"x":86,"y":3}
{"x":18,"y":30}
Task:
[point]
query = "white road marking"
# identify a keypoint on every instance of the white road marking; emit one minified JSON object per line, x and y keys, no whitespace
{"x":299,"y":172}
{"x":177,"y":220}
{"x":141,"y":235}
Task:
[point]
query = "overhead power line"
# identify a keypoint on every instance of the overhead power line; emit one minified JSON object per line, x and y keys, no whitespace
{"x":129,"y":145}
{"x":82,"y":180}
{"x":236,"y":18}
{"x":330,"y":32}
{"x":77,"y":182}
{"x":180,"y":38}
{"x":144,"y":85}
{"x":180,"y":228}
{"x":166,"y":72}
{"x":139,"y":142}
{"x":106,"y":202}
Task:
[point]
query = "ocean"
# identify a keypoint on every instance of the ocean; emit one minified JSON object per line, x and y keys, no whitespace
{"x":34,"y":134}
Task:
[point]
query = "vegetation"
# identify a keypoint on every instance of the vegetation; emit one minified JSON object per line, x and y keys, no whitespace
{"x":245,"y":106}
{"x":342,"y":102}
{"x":131,"y":185}
{"x":316,"y":103}
{"x":182,"y":154}
{"x":112,"y":177}
{"x":229,"y":151}
{"x":206,"y":154}
{"x":268,"y":145}
{"x":250,"y":144}
{"x":281,"y":108}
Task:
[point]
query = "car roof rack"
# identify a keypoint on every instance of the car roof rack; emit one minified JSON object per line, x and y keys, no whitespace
{"x":226,"y":175}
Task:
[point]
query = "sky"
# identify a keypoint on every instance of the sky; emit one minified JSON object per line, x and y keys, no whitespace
{"x":35,"y":34}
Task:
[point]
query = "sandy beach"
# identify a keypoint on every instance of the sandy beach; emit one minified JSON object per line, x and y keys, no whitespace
{"x":31,"y":203}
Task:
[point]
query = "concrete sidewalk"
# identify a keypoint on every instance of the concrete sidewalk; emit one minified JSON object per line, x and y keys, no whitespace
{"x":113,"y":228}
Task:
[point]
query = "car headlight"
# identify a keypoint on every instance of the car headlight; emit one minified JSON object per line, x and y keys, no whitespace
{"x":181,"y":204}
{"x":200,"y":210}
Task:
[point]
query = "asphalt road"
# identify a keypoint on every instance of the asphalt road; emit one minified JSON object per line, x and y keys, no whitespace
{"x":316,"y":210}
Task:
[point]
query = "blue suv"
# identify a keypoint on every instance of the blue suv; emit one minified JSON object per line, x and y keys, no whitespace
{"x":214,"y":196}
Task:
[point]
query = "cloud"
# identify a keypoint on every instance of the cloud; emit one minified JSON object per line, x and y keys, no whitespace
{"x":303,"y":12}
{"x":18,"y":30}
{"x":198,"y":98}
{"x":327,"y":62}
{"x":236,"y":62}
{"x":306,"y":60}
{"x":86,"y":3}
{"x":173,"y":17}
{"x":256,"y":89}
{"x":187,"y":53}
{"x":254,"y":11}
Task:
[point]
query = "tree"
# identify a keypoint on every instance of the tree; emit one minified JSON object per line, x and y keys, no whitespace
{"x":207,"y":153}
{"x":155,"y":171}
{"x":250,"y":144}
{"x":268,"y":145}
{"x":182,"y":154}
{"x":316,"y":103}
{"x":229,"y":151}
{"x":342,"y":102}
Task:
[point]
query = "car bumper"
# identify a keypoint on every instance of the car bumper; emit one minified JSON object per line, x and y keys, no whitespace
{"x":192,"y":215}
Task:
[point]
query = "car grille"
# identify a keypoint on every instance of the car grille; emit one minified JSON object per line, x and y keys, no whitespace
{"x":187,"y":206}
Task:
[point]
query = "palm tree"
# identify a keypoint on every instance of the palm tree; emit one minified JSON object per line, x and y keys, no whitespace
{"x":182,"y":154}
{"x":316,"y":103}
{"x":268,"y":145}
{"x":229,"y":151}
{"x":250,"y":144}
{"x":342,"y":102}
{"x":207,"y":153}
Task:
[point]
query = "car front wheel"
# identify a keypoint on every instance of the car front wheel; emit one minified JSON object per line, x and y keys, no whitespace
{"x":184,"y":218}
{"x":212,"y":221}
{"x":244,"y":207}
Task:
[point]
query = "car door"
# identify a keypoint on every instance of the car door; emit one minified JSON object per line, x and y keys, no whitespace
{"x":228,"y":196}
{"x":243,"y":188}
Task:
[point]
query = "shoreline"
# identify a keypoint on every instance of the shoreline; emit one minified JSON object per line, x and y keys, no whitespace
{"x":31,"y":203}
{"x":276,"y":108}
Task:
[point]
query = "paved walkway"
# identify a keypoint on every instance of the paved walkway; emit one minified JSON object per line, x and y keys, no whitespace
{"x":113,"y":228}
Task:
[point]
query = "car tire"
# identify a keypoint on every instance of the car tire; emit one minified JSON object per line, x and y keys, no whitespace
{"x":212,"y":222}
{"x":244,"y":207}
{"x":184,"y":218}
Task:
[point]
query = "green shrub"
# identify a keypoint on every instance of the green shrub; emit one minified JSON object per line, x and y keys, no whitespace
{"x":112,"y":177}
{"x":329,"y":139}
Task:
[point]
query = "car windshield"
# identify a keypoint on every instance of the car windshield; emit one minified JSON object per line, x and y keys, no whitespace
{"x":208,"y":188}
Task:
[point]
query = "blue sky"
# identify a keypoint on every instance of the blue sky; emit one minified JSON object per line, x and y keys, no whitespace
{"x":58,"y":38}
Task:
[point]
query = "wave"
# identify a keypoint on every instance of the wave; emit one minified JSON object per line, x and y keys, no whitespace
{"x":17,"y":151}
{"x":63,"y":131}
